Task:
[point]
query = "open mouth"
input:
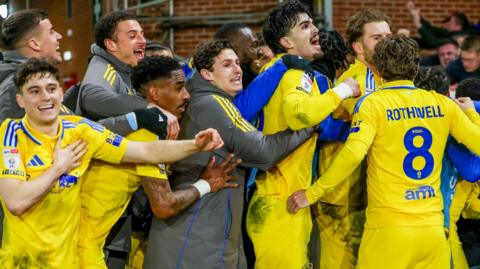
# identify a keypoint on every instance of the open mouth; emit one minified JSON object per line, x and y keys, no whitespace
{"x":237,"y":80}
{"x":139,"y":53}
{"x":45,"y":107}
{"x":315,"y":41}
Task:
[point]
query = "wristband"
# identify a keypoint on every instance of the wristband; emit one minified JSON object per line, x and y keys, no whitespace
{"x":343,"y":90}
{"x":202,"y":187}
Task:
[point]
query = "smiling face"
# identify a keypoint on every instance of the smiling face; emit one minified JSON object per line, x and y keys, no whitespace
{"x":226,"y":72}
{"x":470,"y":60}
{"x":170,"y":93}
{"x":128,"y":44}
{"x":303,"y":39}
{"x":41,"y":97}
{"x":373,"y":32}
{"x":447,"y":53}
{"x":48,"y":41}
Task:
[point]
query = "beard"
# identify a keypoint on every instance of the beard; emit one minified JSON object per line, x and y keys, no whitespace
{"x":318,"y":55}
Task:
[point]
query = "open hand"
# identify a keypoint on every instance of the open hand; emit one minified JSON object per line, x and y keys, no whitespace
{"x":218,"y":176}
{"x":69,"y":157}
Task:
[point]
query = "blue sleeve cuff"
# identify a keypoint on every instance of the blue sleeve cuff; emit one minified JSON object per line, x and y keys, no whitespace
{"x":132,"y":121}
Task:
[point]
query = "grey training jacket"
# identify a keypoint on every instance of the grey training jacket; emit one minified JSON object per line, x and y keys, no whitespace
{"x":207,"y":235}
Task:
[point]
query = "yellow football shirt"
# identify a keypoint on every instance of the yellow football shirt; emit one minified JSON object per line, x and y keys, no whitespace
{"x":296,"y":104}
{"x":404,"y":130}
{"x":350,"y":192}
{"x":45,"y":236}
{"x":104,"y":201}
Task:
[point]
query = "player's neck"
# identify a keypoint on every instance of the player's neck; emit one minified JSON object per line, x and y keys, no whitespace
{"x":360,"y":58}
{"x":49,"y":129}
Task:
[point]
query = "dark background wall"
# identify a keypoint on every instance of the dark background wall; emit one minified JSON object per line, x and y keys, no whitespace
{"x":197,"y":20}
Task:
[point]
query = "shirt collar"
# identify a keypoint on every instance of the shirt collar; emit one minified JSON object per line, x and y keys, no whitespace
{"x":38,"y":137}
{"x":399,"y":85}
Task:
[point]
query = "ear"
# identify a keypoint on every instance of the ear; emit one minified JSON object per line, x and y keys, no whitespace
{"x":286,"y":42}
{"x":110,"y":45}
{"x":152,"y":93}
{"x":33,"y":44}
{"x":357,"y":47}
{"x":62,"y":92}
{"x":19,"y":99}
{"x":207,"y":75}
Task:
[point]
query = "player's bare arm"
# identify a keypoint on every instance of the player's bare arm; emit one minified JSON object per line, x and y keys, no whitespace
{"x":169,"y":151}
{"x":165,"y":203}
{"x":20,"y":195}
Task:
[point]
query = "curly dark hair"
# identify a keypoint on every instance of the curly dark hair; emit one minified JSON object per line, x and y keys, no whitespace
{"x":432,"y":78}
{"x":206,"y":52}
{"x":357,"y":22}
{"x":32,"y":67}
{"x":106,"y":27}
{"x":397,"y":57}
{"x":335,"y":54}
{"x":19,"y":24}
{"x":280,"y":22}
{"x":469,"y":87}
{"x":152,"y":68}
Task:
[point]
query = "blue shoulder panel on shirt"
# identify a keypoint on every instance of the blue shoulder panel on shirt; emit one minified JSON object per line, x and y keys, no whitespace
{"x":322,"y":81}
{"x":95,"y":126}
{"x":359,"y":103}
{"x":10,"y":139}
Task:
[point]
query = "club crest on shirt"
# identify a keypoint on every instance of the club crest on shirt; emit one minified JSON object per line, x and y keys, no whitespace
{"x":11,"y":158}
{"x":305,"y":83}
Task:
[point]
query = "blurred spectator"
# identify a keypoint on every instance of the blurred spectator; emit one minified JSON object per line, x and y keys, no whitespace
{"x":157,"y":49}
{"x":448,"y":52}
{"x":469,"y":63}
{"x":457,"y":23}
{"x":469,"y":87}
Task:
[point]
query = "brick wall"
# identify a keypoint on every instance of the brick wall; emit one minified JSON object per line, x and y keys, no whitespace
{"x":432,"y":10}
{"x":186,"y":38}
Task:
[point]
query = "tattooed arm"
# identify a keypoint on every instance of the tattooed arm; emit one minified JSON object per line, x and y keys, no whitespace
{"x":165,"y":203}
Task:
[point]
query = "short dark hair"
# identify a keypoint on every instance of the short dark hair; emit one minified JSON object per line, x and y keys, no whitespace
{"x":396,"y":57}
{"x":32,"y":67}
{"x":433,"y":78}
{"x":206,"y":52}
{"x":19,"y":24}
{"x":356,"y":23}
{"x":280,"y":22}
{"x":155,"y":46}
{"x":447,"y":40}
{"x":228,"y":30}
{"x":107,"y":25}
{"x":462,"y":20}
{"x":471,"y":43}
{"x":152,"y":68}
{"x":469,"y":87}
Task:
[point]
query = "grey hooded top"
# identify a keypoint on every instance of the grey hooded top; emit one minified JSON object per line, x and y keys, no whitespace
{"x":208,"y":235}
